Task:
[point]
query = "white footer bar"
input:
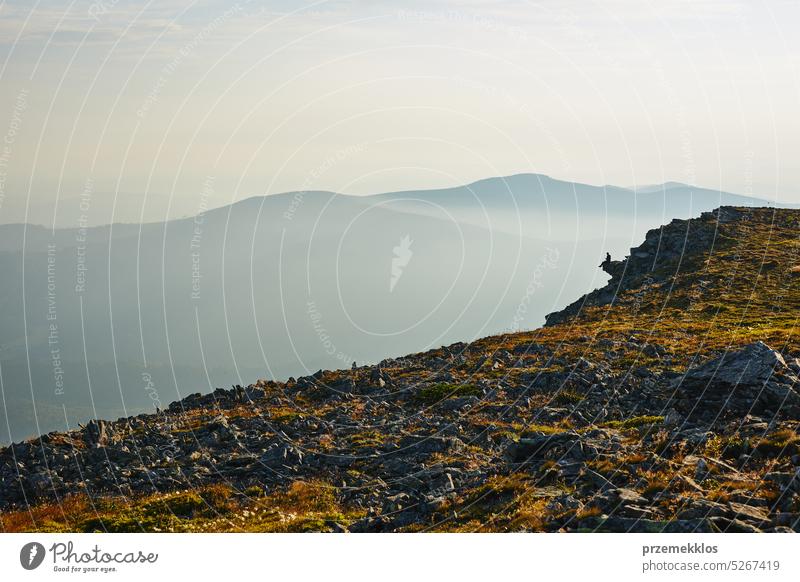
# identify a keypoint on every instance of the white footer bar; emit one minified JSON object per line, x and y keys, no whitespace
{"x":386,"y":557}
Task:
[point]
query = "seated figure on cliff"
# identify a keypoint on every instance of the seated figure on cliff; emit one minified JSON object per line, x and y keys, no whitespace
{"x":605,"y":263}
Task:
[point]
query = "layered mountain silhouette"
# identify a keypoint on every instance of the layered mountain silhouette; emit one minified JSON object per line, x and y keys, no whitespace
{"x":112,"y":320}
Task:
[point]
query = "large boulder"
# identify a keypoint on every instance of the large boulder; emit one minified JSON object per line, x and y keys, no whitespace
{"x":753,"y":378}
{"x":565,"y":444}
{"x":754,"y":365}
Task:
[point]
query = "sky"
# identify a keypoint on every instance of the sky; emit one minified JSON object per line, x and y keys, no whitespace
{"x":145,"y":104}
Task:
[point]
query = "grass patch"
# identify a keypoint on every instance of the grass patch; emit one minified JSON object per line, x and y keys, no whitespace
{"x":430,"y":395}
{"x":366,"y":440}
{"x":169,"y":512}
{"x":303,"y":506}
{"x":283,"y":415}
{"x":568,"y":397}
{"x":634,"y":422}
{"x":781,"y":443}
{"x":536,"y":429}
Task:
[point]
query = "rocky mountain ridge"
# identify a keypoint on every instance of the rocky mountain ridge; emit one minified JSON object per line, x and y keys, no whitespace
{"x":668,"y":400}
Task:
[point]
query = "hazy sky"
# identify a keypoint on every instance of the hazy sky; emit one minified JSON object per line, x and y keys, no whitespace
{"x":152,"y":98}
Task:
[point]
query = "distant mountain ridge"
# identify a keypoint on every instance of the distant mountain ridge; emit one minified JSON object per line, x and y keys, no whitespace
{"x":524,"y":189}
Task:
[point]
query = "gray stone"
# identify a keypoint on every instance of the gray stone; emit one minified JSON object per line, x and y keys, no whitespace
{"x":753,"y":365}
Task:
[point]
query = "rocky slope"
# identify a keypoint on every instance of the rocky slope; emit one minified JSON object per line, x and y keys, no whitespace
{"x":668,"y":400}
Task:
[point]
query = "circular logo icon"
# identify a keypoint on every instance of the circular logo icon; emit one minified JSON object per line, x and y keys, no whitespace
{"x":31,"y":555}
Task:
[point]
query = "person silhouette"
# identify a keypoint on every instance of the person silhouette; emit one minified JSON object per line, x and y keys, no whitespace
{"x":607,"y":261}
